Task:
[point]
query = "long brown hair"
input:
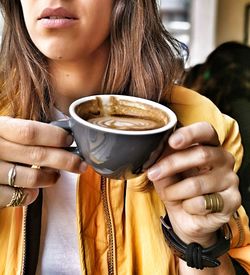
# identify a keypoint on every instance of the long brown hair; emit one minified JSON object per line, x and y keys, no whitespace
{"x":144,"y":59}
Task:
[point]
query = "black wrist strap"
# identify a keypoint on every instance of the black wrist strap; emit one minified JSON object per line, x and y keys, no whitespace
{"x":194,"y":254}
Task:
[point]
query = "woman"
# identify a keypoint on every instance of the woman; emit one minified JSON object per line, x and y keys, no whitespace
{"x":54,"y":52}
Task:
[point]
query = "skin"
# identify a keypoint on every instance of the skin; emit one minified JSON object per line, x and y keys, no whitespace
{"x":77,"y":63}
{"x":183,"y":175}
{"x":77,"y":54}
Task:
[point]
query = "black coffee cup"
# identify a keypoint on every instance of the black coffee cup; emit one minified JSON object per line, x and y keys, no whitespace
{"x":119,"y":136}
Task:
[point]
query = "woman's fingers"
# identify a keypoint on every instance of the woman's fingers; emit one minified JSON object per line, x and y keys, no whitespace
{"x":195,"y":179}
{"x":30,"y":132}
{"x":27,"y":143}
{"x":200,"y":132}
{"x":201,"y":184}
{"x":19,"y":185}
{"x":195,"y":157}
{"x":42,"y":156}
{"x":190,"y":191}
{"x":27,"y":177}
{"x":8,"y":196}
{"x":197,"y":205}
{"x":191,"y":150}
{"x":35,"y":143}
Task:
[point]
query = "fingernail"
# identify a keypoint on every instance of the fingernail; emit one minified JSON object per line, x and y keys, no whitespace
{"x":69,"y":139}
{"x":154,"y":173}
{"x":83,"y":166}
{"x":176,"y":139}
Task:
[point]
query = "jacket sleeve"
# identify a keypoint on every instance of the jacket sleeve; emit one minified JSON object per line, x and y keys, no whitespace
{"x":191,"y":107}
{"x":240,"y":243}
{"x":239,"y":223}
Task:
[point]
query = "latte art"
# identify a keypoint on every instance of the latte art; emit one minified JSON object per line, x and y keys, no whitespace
{"x":126,"y":123}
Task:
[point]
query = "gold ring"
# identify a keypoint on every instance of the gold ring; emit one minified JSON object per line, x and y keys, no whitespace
{"x":12,"y":175}
{"x":35,"y":166}
{"x":17,"y":197}
{"x":214,"y":202}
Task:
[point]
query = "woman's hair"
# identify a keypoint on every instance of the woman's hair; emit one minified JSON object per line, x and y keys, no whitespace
{"x":145,"y":59}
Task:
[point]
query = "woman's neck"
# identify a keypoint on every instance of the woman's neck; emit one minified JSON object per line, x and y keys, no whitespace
{"x":77,"y":78}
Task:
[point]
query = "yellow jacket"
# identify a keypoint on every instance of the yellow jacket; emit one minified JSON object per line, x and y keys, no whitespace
{"x":119,"y":229}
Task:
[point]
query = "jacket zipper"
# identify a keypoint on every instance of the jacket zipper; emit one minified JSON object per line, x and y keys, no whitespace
{"x":24,"y":240}
{"x":236,"y":217}
{"x":110,"y":227}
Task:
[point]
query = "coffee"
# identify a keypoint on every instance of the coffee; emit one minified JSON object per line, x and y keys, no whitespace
{"x":122,"y":114}
{"x":119,"y":136}
{"x":127,"y":123}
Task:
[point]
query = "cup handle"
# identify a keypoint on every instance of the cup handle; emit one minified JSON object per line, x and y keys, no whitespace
{"x":65,"y":124}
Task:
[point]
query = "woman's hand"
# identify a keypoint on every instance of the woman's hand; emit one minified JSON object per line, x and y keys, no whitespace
{"x":194,"y":165}
{"x":25,"y":143}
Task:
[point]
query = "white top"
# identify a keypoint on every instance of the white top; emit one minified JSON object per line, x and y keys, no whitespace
{"x":59,"y":252}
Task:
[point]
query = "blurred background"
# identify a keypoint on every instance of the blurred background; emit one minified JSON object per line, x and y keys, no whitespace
{"x":204,"y":24}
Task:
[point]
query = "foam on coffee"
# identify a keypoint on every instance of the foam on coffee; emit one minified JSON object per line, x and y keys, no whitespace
{"x":122,"y":114}
{"x":126,"y":123}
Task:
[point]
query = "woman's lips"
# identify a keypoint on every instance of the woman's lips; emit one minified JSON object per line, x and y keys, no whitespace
{"x":56,"y":18}
{"x":56,"y":23}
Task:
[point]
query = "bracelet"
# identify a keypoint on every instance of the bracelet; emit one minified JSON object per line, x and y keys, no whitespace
{"x":194,"y":254}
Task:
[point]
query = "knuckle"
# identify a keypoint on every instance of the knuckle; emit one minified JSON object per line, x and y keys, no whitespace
{"x":235,"y":179}
{"x":204,"y":125}
{"x":232,"y":204}
{"x":39,"y":178}
{"x":196,"y":186}
{"x":168,"y":194}
{"x":27,"y":132}
{"x":189,"y":134}
{"x":72,"y":162}
{"x":32,"y":178}
{"x":236,"y":200}
{"x":61,"y":138}
{"x":204,"y":154}
{"x":195,"y":229}
{"x":209,"y":126}
{"x":169,"y":162}
{"x":231,"y":159}
{"x":37,"y":155}
{"x":211,"y":131}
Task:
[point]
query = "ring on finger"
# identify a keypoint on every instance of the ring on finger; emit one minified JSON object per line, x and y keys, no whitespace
{"x":34,"y":166}
{"x":12,"y":175}
{"x":17,"y":197}
{"x":214,"y":202}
